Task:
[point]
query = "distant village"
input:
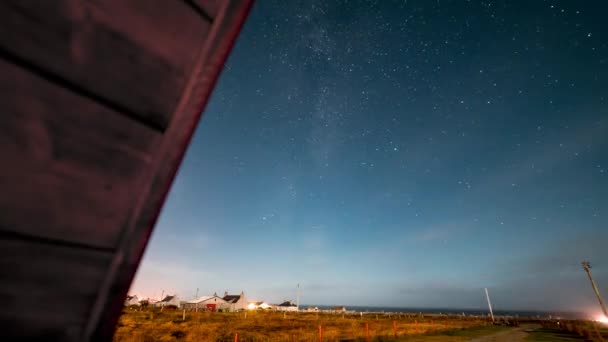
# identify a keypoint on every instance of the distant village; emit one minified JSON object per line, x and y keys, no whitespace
{"x":215,"y":303}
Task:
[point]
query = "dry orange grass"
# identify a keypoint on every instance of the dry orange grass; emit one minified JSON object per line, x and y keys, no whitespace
{"x":153,"y":325}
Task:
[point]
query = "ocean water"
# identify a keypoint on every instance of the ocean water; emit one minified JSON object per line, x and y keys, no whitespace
{"x":468,"y":312}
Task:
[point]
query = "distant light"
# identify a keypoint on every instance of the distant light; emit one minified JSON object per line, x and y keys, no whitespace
{"x":251,"y":306}
{"x":602,"y":319}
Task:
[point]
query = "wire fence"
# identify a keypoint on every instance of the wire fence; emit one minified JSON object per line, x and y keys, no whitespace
{"x":253,"y":326}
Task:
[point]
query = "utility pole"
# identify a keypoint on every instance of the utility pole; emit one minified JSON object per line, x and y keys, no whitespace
{"x":298,"y":298}
{"x":587,"y":268}
{"x":489,"y":304}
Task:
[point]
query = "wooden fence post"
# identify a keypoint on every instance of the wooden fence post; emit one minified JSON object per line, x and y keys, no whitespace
{"x":236,"y":337}
{"x":395,"y":328}
{"x":367,"y":332}
{"x":184,"y":315}
{"x":320,"y":333}
{"x":416,"y":325}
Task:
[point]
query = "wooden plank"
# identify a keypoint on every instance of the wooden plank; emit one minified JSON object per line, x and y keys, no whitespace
{"x":47,"y":291}
{"x":222,"y":36}
{"x":135,"y":54}
{"x":211,"y":7}
{"x":70,"y":167}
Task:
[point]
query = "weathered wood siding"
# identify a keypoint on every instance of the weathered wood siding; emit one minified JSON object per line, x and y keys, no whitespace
{"x":99,"y":100}
{"x":135,"y":55}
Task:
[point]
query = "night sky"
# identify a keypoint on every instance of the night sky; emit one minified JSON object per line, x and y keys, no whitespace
{"x":399,"y":153}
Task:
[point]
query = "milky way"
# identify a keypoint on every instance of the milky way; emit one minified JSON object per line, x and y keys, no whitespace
{"x":404,"y":153}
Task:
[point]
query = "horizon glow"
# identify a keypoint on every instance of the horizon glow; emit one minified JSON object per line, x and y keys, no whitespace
{"x":398,"y":154}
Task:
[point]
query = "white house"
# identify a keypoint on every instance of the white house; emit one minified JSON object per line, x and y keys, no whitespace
{"x":209,"y":303}
{"x":132,"y":301}
{"x":236,"y":302}
{"x":287,"y":306}
{"x":168,"y":301}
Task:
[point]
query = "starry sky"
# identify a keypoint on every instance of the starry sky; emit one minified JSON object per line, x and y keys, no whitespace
{"x":398,"y":153}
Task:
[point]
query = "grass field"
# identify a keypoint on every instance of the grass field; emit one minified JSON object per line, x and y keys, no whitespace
{"x":569,"y":331}
{"x":552,"y":335}
{"x":153,"y":325}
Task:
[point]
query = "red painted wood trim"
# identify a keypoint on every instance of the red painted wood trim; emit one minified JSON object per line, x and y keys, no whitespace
{"x":110,"y":300}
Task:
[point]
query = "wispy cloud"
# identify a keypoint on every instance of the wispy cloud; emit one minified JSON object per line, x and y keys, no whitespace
{"x":559,"y":256}
{"x":314,"y":242}
{"x":315,"y":238}
{"x":552,"y":156}
{"x":154,"y":277}
{"x":441,"y":295}
{"x":441,"y":232}
{"x":433,"y":234}
{"x":553,"y":275}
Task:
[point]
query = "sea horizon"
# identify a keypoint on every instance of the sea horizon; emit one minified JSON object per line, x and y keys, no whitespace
{"x":561,"y":314}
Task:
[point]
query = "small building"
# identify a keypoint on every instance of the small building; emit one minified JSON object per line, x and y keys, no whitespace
{"x":338,"y":309}
{"x":235,"y":302}
{"x":208,"y":303}
{"x":150,"y":301}
{"x":312,"y":309}
{"x":132,"y":301}
{"x":168,"y":301}
{"x":287,"y":306}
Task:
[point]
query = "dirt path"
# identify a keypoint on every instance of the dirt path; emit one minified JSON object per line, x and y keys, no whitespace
{"x":511,"y":335}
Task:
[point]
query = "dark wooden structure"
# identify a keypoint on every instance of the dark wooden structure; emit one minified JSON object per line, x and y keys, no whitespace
{"x":99,"y":100}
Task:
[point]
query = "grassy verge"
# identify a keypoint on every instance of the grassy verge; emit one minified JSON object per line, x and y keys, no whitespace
{"x":552,"y":335}
{"x":457,"y":335}
{"x":153,"y":325}
{"x":476,"y":331}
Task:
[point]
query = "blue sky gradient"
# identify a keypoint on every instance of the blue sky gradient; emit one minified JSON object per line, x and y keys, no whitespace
{"x":398,"y":153}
